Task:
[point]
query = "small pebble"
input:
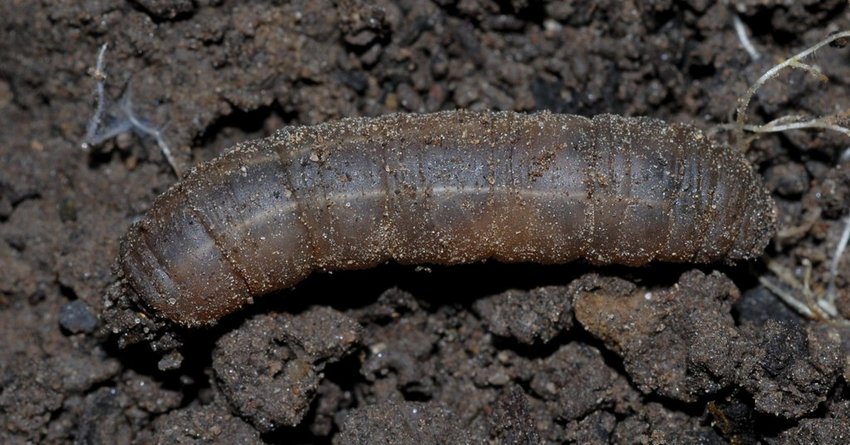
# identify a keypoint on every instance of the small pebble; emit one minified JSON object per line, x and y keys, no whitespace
{"x":77,"y":317}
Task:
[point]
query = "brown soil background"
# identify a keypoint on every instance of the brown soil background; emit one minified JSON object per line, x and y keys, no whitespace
{"x":472,"y":354}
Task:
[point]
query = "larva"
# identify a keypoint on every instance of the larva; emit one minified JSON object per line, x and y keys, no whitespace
{"x":444,"y":188}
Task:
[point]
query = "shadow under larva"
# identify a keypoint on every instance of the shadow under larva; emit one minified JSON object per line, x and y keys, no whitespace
{"x":443,"y":188}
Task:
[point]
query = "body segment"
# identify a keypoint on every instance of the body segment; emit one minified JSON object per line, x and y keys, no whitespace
{"x":443,"y":188}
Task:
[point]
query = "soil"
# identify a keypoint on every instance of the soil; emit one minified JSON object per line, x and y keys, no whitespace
{"x":483,"y":353}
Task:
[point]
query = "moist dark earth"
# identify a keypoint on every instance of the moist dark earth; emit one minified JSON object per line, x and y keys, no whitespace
{"x":483,"y":353}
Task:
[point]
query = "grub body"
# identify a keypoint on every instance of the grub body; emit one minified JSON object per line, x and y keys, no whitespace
{"x":444,"y":188}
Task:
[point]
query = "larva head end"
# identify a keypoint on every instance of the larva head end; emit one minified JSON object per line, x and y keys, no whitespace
{"x":170,"y":260}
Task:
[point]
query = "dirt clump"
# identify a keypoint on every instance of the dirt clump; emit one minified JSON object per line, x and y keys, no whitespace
{"x":683,"y":343}
{"x":270,"y":368}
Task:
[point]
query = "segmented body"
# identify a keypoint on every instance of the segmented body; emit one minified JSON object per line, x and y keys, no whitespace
{"x":443,"y":188}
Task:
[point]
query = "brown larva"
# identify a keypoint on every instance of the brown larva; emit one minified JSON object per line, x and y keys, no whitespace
{"x":444,"y":188}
